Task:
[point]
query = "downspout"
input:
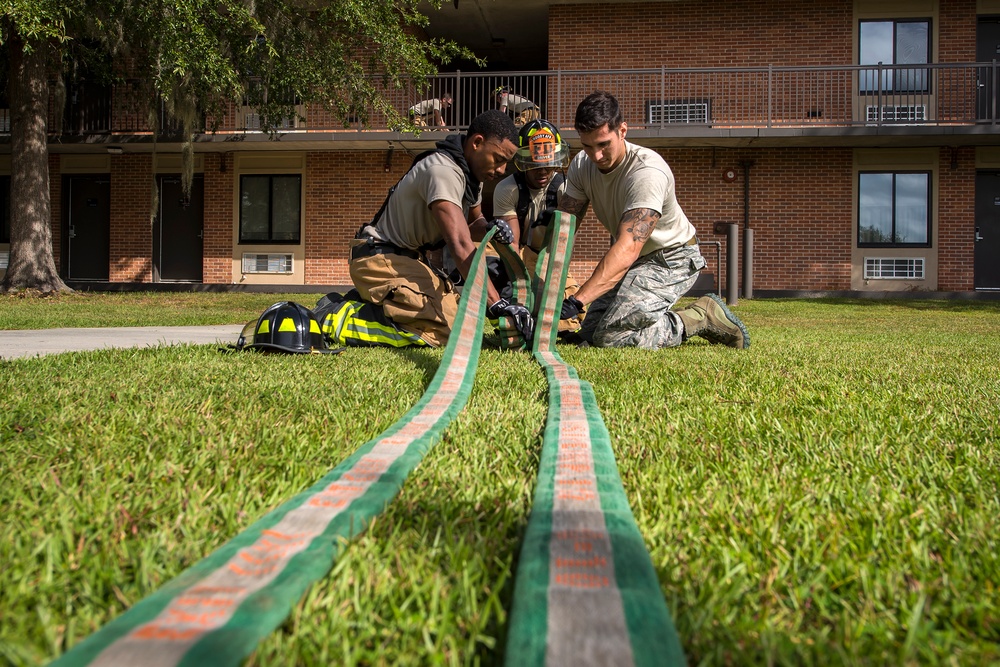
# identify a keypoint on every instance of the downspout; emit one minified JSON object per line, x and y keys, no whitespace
{"x":747,"y":232}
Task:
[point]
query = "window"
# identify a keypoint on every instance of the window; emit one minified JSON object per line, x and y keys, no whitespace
{"x":4,"y":209}
{"x":900,"y":43}
{"x":894,"y":209}
{"x":270,"y":208}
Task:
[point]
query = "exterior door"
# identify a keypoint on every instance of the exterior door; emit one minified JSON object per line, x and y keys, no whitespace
{"x":987,"y":51}
{"x":177,"y":235}
{"x":88,"y":227}
{"x":988,"y":230}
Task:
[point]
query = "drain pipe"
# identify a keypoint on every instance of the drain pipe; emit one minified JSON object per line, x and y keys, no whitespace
{"x":747,"y":232}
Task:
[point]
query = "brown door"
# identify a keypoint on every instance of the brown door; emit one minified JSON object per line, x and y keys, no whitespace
{"x":88,"y":227}
{"x":177,"y":233}
{"x":987,"y":230}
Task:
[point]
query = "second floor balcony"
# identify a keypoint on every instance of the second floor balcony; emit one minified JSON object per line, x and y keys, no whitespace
{"x":696,"y":106}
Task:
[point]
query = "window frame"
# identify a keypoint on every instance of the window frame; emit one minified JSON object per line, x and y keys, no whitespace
{"x":930,"y":211}
{"x":270,"y":240}
{"x":891,"y":69}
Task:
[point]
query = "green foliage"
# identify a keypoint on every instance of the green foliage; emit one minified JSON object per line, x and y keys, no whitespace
{"x":199,"y":55}
{"x":829,"y":496}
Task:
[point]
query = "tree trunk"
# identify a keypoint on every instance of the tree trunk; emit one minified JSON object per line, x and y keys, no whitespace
{"x":31,"y":264}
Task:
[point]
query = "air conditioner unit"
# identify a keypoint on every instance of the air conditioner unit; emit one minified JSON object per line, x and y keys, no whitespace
{"x":897,"y":113}
{"x":248,"y":119}
{"x":677,"y":112}
{"x":267,"y":262}
{"x":894,"y":268}
{"x":4,"y":121}
{"x":4,"y":259}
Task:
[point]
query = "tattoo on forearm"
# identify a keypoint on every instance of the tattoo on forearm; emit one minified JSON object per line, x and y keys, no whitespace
{"x":640,"y":223}
{"x":572,"y":206}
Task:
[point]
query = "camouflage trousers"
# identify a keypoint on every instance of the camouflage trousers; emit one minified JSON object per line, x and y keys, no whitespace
{"x":636,"y":312}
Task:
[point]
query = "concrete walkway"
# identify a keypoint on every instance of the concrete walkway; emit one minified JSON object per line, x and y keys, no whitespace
{"x":34,"y":343}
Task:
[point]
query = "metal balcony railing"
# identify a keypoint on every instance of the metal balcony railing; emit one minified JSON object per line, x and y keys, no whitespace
{"x":669,"y":100}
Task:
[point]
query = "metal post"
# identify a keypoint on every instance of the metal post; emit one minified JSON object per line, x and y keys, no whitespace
{"x":663,"y":94}
{"x":993,"y":92}
{"x":747,"y":232}
{"x":878,"y":98}
{"x":456,"y":114}
{"x":732,"y":262}
{"x":559,"y":109}
{"x":770,"y":93}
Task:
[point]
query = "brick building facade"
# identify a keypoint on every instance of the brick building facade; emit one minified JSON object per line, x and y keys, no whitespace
{"x":786,"y":140}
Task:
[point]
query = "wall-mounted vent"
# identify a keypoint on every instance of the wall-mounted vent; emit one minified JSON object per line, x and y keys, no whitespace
{"x":4,"y":259}
{"x":897,"y":113}
{"x":894,"y":268}
{"x":677,"y":112}
{"x":267,"y":262}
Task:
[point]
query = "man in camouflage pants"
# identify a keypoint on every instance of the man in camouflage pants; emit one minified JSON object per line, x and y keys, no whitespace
{"x":654,"y":259}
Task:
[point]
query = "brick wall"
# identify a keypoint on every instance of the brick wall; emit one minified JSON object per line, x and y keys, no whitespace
{"x":957,"y":223}
{"x":692,"y":33}
{"x":800,"y":210}
{"x":217,"y":266}
{"x":343,"y":190}
{"x":957,"y":31}
{"x":131,"y":235}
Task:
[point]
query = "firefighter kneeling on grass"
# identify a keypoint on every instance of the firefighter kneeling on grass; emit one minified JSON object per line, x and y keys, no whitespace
{"x":527,"y":199}
{"x":400,"y":297}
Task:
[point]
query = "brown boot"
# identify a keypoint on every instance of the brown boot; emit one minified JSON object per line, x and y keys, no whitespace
{"x":709,"y":318}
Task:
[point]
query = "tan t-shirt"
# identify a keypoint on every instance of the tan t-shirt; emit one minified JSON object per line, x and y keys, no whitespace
{"x":426,"y":107}
{"x":407,"y":220}
{"x":515,"y":103}
{"x":641,"y":180}
{"x":505,"y":198}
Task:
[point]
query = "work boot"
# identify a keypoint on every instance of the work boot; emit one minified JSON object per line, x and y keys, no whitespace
{"x":709,"y":318}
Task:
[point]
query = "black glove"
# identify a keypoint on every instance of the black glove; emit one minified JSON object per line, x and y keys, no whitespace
{"x":504,"y":234}
{"x":571,"y":307}
{"x":518,"y":315}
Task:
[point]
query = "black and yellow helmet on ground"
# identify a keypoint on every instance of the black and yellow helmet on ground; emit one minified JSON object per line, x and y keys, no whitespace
{"x":540,"y":146}
{"x":287,"y":327}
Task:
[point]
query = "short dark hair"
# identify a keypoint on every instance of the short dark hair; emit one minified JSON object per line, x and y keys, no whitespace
{"x":446,"y":96}
{"x":494,"y":124}
{"x":598,"y":109}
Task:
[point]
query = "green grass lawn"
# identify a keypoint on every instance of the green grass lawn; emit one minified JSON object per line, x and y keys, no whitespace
{"x":133,"y":309}
{"x":829,"y":496}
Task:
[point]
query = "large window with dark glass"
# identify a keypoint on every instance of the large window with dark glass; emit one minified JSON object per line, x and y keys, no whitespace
{"x":894,"y":209}
{"x":270,"y":208}
{"x":898,"y":46}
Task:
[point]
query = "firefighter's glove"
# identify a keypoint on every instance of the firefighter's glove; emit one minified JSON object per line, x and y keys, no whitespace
{"x":571,"y":307}
{"x":516,"y":315}
{"x":504,"y":233}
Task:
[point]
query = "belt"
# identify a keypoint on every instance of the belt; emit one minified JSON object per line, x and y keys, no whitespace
{"x":670,"y":248}
{"x":370,"y":249}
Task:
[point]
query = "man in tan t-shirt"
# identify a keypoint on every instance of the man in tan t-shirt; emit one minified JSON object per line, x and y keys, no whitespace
{"x":436,"y":204}
{"x":654,"y":258}
{"x":430,"y":112}
{"x":524,"y":110}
